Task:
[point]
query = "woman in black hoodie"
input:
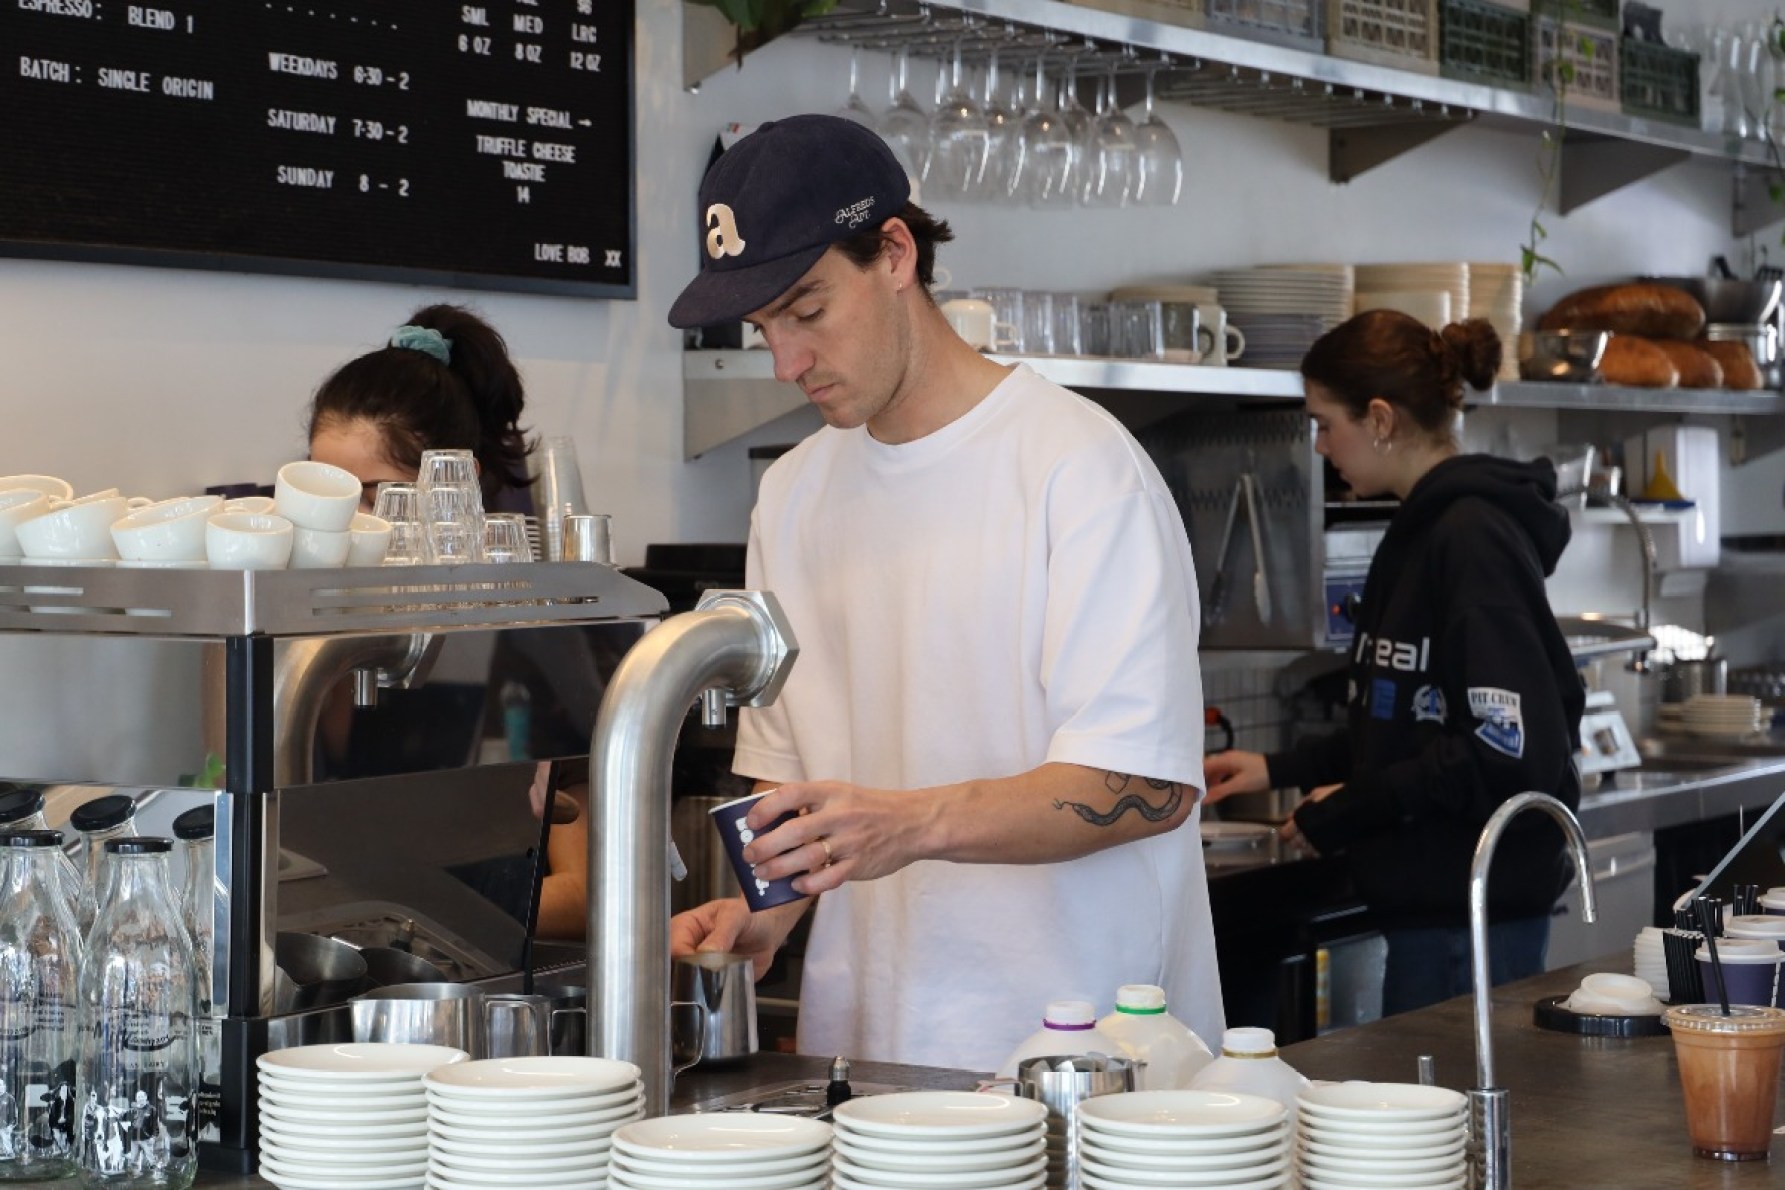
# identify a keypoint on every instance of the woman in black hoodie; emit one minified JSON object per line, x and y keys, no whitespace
{"x":1462,"y":689}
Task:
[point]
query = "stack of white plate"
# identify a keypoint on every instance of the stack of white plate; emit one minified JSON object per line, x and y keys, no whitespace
{"x":347,"y":1115}
{"x":1723,"y":716}
{"x":1497,"y":293}
{"x":1430,"y":306}
{"x":1367,"y":1136}
{"x":918,"y":1140}
{"x":1451,"y":276}
{"x":763,"y":1152}
{"x":1183,"y":1138}
{"x":546,"y":1122}
{"x":1651,"y":961}
{"x":1283,"y":308}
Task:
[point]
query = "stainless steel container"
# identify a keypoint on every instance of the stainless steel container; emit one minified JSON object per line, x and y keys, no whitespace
{"x":1683,"y":679}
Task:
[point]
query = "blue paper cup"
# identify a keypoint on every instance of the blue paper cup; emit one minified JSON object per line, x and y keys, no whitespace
{"x":1749,"y":981}
{"x":735,"y":835}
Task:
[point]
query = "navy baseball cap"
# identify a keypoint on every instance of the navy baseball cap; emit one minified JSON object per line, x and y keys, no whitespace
{"x":772,"y":204}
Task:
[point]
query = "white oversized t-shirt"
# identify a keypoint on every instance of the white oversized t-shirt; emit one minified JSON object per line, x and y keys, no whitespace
{"x":1013,"y":589}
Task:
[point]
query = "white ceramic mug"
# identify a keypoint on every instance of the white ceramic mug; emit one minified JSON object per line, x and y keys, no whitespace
{"x":16,"y":507}
{"x":371,"y":539}
{"x":319,"y":549}
{"x":316,"y":495}
{"x":247,"y":541}
{"x":81,"y":529}
{"x":260,"y":504}
{"x":974,"y":320}
{"x":171,"y":531}
{"x":1224,"y":342}
{"x":48,"y":485}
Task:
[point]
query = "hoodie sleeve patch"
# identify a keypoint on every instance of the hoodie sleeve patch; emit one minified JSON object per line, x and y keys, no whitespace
{"x":1501,"y":726}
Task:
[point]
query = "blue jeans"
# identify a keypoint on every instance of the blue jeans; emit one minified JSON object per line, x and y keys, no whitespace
{"x":1427,"y":966}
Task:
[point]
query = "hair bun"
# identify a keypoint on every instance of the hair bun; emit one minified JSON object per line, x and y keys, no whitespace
{"x":1478,"y":351}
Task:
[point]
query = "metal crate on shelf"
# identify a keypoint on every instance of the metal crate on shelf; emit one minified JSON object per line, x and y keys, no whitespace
{"x":1479,"y":42}
{"x":1659,"y":81}
{"x":1300,"y":24}
{"x":1592,"y":54}
{"x":1398,"y":33}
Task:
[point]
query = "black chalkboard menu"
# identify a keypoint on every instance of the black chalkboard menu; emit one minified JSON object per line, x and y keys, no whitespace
{"x":485,"y":145}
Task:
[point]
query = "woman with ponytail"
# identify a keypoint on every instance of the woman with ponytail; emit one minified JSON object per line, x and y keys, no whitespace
{"x":1463,"y":692}
{"x":444,"y":381}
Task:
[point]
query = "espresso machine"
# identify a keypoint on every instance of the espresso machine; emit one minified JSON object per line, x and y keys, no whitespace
{"x":366,"y":737}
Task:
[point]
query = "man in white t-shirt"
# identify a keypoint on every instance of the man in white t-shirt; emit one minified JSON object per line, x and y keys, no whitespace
{"x":993,"y":732}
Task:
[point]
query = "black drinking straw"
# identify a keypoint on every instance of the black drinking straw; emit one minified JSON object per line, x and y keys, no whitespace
{"x":1705,"y":912}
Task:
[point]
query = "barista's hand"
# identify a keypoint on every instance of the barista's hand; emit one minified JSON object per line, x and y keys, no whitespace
{"x":565,"y":808}
{"x":1289,"y":832}
{"x":728,"y":926}
{"x":1231,"y":772}
{"x":843,"y":832}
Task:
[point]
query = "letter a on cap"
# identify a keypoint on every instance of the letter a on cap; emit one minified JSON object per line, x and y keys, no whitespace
{"x":722,"y":232}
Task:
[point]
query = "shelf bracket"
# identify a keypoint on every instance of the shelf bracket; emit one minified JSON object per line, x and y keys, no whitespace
{"x":1594,"y":166}
{"x":1353,"y":152}
{"x":1754,"y":204}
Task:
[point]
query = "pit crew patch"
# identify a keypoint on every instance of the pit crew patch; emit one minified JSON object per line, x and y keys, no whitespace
{"x":1428,"y":705}
{"x":1502,"y":728}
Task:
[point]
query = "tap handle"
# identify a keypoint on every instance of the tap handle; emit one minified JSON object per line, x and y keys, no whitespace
{"x":1428,"y":1070}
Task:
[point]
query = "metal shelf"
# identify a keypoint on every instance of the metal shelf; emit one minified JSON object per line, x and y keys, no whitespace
{"x":1373,"y":113}
{"x":1618,"y":399}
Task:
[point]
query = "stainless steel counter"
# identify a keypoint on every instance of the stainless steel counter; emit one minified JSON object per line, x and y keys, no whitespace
{"x":1683,"y":781}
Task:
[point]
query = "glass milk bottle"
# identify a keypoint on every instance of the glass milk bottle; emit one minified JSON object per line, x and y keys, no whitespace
{"x":137,"y":1068}
{"x":40,"y":954}
{"x":22,"y":810}
{"x":196,"y":830}
{"x":109,"y":817}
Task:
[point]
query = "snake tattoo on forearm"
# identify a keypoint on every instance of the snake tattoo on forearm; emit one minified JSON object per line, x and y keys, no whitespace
{"x":1137,"y":802}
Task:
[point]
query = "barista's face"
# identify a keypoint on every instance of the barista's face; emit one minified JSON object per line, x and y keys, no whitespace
{"x":356,"y":445}
{"x":1354,"y":444}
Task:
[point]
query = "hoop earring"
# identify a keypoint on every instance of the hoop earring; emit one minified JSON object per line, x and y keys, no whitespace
{"x":1382,"y":445}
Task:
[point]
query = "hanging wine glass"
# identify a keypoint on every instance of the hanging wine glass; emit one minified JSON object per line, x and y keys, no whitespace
{"x":959,"y":139}
{"x":1114,"y":165}
{"x":904,"y":125}
{"x":1004,"y":135}
{"x":1079,"y":125}
{"x":855,"y":107}
{"x":1159,"y":175}
{"x":1045,"y":170}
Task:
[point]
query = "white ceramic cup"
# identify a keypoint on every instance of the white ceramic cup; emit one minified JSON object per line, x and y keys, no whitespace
{"x":247,"y":541}
{"x":1225,"y":342}
{"x":171,"y":531}
{"x":48,"y":485}
{"x":318,"y":549}
{"x":260,"y":504}
{"x":316,"y":495}
{"x":974,"y":320}
{"x":371,"y":540}
{"x":81,"y":529}
{"x":16,"y":507}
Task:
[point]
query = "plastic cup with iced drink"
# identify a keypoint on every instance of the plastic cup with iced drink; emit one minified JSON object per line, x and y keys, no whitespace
{"x":1729,"y":1071}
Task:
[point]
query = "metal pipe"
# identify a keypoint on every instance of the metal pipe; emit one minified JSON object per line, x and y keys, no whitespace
{"x":1649,"y":564}
{"x":1490,"y":1146}
{"x":305,"y":672}
{"x":737,"y":642}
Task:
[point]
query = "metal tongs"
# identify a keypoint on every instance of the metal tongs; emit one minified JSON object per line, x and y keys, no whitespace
{"x":1245,"y":488}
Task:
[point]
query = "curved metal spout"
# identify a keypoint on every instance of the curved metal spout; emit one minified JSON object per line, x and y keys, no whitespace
{"x":737,"y":642}
{"x":1491,"y":1145}
{"x":1643,"y":537}
{"x":308,"y":669}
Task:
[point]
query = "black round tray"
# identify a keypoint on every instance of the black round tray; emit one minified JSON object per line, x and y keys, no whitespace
{"x":1549,"y":1014}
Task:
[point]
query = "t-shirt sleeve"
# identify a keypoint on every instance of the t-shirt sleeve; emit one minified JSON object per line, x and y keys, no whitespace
{"x":1119,"y":665}
{"x":764,"y":750}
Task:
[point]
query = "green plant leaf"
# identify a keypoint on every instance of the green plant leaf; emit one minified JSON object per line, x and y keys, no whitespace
{"x":1775,"y":191}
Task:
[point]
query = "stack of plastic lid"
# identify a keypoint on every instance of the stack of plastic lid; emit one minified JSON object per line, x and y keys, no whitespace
{"x":545,"y":1121}
{"x":1183,"y":1138}
{"x":347,"y":1115}
{"x":763,"y":1152}
{"x":1651,"y":961}
{"x":916,"y":1140}
{"x":1356,"y":1135}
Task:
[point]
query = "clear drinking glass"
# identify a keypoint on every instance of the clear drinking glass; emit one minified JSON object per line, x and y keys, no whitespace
{"x":1004,"y":127}
{"x":1038,"y":322}
{"x":136,"y":1009}
{"x":1044,"y":173}
{"x":400,"y":504}
{"x":557,"y":492}
{"x":447,"y":468}
{"x":453,"y":516}
{"x":505,"y":538}
{"x":904,"y":125}
{"x":959,"y":140}
{"x":1080,"y":127}
{"x":40,"y":958}
{"x":1159,"y":172}
{"x":1113,"y":161}
{"x":1068,"y":335}
{"x":1007,"y":307}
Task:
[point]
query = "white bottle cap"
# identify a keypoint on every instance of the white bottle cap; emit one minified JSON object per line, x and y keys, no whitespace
{"x":1070,"y":1014}
{"x":1140,"y":997}
{"x":1248,"y":1041}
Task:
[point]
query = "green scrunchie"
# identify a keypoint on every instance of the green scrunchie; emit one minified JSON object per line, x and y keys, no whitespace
{"x":424,"y":339}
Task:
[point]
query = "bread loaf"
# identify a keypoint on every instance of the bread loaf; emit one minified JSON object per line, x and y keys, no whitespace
{"x":1633,"y":360}
{"x":1653,"y":311}
{"x":1697,"y":368}
{"x":1737,"y":362}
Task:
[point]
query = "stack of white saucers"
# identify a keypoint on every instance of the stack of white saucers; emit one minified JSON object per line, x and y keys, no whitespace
{"x":545,"y":1122}
{"x":1367,"y":1136}
{"x":763,"y":1152}
{"x":1321,"y":291}
{"x":962,"y":1140}
{"x":347,"y":1115}
{"x":1650,"y":963}
{"x":1723,"y":716}
{"x":1183,"y":1138}
{"x":1497,"y":293}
